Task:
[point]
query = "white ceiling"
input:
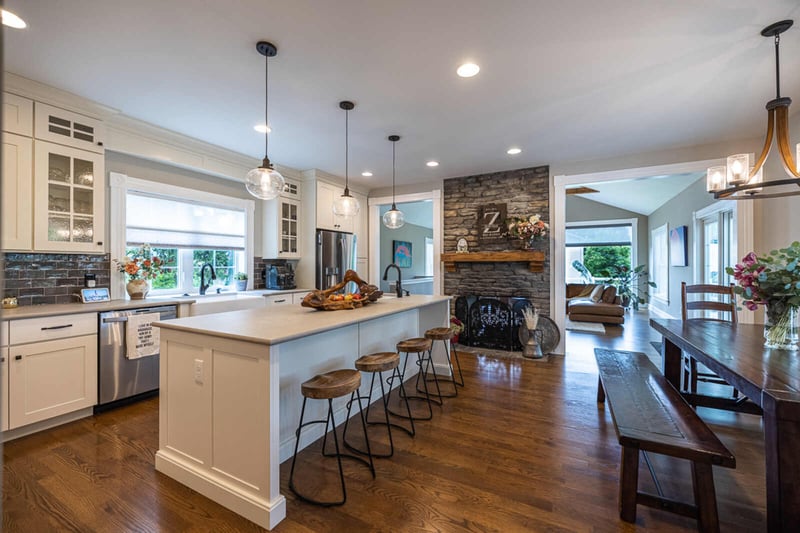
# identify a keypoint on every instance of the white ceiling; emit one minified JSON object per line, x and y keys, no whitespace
{"x":642,"y":195}
{"x":565,"y":81}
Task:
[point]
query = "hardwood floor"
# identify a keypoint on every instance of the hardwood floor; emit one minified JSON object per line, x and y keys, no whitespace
{"x":524,"y":447}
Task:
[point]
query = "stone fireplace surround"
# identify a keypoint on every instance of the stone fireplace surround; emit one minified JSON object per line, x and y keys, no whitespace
{"x":525,"y":192}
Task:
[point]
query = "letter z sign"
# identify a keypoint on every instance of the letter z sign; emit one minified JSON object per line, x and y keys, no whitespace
{"x":492,"y":222}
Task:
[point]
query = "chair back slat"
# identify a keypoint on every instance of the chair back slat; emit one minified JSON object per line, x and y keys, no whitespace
{"x":725,"y":301}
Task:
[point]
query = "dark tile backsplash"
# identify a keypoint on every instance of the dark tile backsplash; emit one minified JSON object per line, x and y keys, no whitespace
{"x":36,"y":278}
{"x":259,"y":264}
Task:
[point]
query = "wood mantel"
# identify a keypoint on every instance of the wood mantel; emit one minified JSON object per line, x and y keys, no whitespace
{"x":534,"y":258}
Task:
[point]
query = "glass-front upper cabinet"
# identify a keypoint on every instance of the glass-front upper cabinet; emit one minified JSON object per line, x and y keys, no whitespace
{"x":281,"y":229}
{"x":289,"y":230}
{"x":69,"y":199}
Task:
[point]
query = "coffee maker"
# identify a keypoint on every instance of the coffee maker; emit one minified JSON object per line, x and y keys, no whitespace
{"x":280,"y":277}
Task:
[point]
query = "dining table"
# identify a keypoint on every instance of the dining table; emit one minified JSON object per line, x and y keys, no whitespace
{"x":768,"y":378}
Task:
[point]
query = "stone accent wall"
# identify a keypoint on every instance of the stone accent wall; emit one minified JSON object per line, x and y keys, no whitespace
{"x":36,"y":278}
{"x":525,"y":192}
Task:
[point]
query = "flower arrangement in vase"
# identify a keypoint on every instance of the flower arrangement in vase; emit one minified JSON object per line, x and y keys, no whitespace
{"x":527,"y":229}
{"x":140,"y":266}
{"x":772,"y":280}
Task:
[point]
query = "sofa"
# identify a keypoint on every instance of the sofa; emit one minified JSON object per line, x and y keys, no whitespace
{"x":591,"y":302}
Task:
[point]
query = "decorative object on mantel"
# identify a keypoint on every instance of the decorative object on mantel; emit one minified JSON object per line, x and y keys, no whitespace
{"x":772,"y":280}
{"x":462,"y":247}
{"x":534,"y":258}
{"x":346,"y":205}
{"x":265,"y":182}
{"x":393,"y":218}
{"x":738,"y":180}
{"x":140,"y":267}
{"x":329,"y":299}
{"x":527,"y":229}
{"x":491,"y":224}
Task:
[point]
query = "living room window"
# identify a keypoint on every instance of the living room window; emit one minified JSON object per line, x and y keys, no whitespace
{"x":598,"y":245}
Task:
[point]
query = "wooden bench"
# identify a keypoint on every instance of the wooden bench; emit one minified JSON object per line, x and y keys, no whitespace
{"x":651,"y":416}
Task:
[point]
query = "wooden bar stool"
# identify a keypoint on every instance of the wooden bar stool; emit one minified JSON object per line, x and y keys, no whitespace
{"x":376,"y":364}
{"x":422,"y":348}
{"x":445,"y":335}
{"x":328,"y":386}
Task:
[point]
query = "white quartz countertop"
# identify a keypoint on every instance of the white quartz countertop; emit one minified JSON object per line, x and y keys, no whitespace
{"x":283,"y":323}
{"x":44,"y":310}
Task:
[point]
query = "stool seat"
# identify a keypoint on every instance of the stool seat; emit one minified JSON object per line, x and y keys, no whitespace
{"x":332,"y":384}
{"x":439,"y":334}
{"x":378,"y":362}
{"x":414,"y":345}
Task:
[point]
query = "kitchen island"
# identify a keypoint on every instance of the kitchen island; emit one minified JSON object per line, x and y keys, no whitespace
{"x":230,"y":389}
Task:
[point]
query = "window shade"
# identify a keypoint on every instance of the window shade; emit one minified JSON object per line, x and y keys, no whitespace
{"x":598,"y":236}
{"x":171,"y":223}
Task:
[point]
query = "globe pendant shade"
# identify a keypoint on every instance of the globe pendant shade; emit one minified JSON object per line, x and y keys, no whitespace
{"x":264,"y":183}
{"x":394,"y":219}
{"x":346,"y":206}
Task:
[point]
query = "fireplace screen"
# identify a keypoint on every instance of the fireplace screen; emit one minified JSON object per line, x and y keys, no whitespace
{"x":491,"y":321}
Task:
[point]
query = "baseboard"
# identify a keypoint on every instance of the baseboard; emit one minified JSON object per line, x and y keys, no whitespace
{"x":30,"y":429}
{"x":257,"y":510}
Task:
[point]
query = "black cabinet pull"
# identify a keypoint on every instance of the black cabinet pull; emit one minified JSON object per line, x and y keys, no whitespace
{"x":280,"y":301}
{"x":57,"y":327}
{"x":2,"y":359}
{"x":18,"y":358}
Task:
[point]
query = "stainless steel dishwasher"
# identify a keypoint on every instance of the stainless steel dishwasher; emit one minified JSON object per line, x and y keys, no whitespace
{"x":120,"y":378}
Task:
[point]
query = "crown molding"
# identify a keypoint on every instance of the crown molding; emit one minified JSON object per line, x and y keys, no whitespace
{"x":27,"y":88}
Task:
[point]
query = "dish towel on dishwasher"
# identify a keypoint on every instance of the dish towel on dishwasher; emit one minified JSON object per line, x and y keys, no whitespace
{"x":141,"y":338}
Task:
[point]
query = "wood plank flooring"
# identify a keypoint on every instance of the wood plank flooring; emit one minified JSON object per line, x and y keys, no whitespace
{"x":524,"y":447}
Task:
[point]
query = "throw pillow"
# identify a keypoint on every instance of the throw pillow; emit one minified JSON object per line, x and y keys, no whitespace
{"x":610,"y":294}
{"x":586,"y":291}
{"x":597,"y":293}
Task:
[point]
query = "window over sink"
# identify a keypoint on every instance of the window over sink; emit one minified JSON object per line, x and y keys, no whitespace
{"x":186,"y":228}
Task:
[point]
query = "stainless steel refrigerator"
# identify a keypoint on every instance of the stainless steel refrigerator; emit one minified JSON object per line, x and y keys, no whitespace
{"x":336,"y":253}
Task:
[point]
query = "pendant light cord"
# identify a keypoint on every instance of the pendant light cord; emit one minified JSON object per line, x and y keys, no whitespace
{"x":777,"y":67}
{"x":346,"y":150}
{"x":266,"y":106}
{"x":394,"y":205}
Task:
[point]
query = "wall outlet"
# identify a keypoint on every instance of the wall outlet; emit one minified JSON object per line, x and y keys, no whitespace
{"x":198,"y":371}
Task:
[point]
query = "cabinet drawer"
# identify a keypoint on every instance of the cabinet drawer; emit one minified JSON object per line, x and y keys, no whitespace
{"x":297,"y":297}
{"x":52,"y":327}
{"x":4,"y":333}
{"x":279,"y":299}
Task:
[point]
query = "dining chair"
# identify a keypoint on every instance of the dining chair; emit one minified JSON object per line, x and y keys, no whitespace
{"x":710,"y":302}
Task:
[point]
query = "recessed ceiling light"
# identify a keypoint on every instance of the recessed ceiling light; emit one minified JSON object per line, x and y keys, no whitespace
{"x":513,"y":151}
{"x":12,"y":21}
{"x":262,"y":128}
{"x":467,"y":70}
{"x":432,"y":163}
{"x":367,"y":174}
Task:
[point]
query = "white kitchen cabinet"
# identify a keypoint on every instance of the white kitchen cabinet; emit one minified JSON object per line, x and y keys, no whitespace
{"x":282,"y":229}
{"x":17,"y":115}
{"x":297,"y":297}
{"x":65,"y":127}
{"x":4,"y":391}
{"x":4,"y":376}
{"x":52,"y":367}
{"x":17,"y":187}
{"x":326,"y":194}
{"x":362,"y":268}
{"x":360,"y":225}
{"x":69,"y":199}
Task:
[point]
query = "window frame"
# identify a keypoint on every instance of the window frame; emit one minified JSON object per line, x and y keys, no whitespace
{"x":122,"y":184}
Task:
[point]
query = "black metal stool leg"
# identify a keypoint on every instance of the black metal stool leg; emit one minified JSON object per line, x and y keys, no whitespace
{"x":403,"y":395}
{"x":366,"y":419}
{"x":451,"y":379}
{"x":423,"y":374}
{"x":453,"y":351}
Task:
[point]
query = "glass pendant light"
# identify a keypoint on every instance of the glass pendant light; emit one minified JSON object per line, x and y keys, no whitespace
{"x":346,"y":205}
{"x":265,"y":182}
{"x":393,"y":218}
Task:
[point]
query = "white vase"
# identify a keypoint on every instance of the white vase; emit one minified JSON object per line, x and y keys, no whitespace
{"x":138,"y":289}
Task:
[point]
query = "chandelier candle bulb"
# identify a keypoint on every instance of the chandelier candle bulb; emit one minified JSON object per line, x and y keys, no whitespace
{"x":737,"y":169}
{"x":715,"y":178}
